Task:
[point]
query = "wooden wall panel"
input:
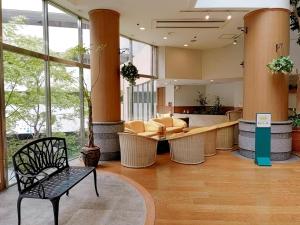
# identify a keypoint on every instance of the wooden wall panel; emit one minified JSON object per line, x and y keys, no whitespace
{"x":105,"y":65}
{"x":263,"y":91}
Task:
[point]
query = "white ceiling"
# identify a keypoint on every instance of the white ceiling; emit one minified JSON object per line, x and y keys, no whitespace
{"x":145,"y":12}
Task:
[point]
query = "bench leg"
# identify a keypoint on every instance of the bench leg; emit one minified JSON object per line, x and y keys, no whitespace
{"x":19,"y":209}
{"x":95,"y":182}
{"x":55,"y":204}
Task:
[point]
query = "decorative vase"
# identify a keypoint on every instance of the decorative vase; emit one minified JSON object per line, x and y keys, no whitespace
{"x":296,"y":139}
{"x":90,"y":156}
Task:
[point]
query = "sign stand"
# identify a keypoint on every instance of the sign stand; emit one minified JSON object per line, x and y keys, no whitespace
{"x":263,"y":139}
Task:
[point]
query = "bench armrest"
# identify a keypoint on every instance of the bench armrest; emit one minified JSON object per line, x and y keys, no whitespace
{"x":41,"y":189}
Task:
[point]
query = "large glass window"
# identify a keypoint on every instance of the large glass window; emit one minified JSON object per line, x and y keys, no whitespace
{"x":24,"y":81}
{"x":63,"y":33}
{"x":23,"y":24}
{"x":142,"y":57}
{"x":37,"y":88}
{"x":86,"y":40}
{"x":65,"y":105}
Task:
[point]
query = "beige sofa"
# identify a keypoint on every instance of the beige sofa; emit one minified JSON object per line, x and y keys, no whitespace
{"x":172,"y":125}
{"x":142,"y":128}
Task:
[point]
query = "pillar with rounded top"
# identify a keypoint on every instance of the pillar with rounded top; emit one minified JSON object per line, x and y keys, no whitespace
{"x":105,"y":81}
{"x":266,"y":38}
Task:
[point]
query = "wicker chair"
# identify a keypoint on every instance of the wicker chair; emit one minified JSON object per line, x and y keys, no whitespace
{"x":137,"y":151}
{"x":187,"y":148}
{"x":225,"y":135}
{"x":209,"y":139}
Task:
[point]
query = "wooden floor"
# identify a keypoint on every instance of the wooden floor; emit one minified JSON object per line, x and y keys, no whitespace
{"x":224,"y":190}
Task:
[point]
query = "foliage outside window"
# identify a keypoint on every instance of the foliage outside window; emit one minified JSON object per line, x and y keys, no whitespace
{"x":295,"y":17}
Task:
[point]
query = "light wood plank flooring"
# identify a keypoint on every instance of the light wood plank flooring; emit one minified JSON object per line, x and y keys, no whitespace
{"x":224,"y":190}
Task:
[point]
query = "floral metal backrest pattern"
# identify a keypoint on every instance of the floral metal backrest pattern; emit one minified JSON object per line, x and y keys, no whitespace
{"x":31,"y":161}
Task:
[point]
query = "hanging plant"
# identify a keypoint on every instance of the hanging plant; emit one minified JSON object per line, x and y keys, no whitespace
{"x":130,"y":73}
{"x":282,"y":64}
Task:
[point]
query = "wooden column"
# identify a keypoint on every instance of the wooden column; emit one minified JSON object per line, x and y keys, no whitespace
{"x":105,"y":65}
{"x":267,"y":38}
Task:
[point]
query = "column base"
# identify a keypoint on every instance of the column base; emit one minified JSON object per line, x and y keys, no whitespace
{"x":281,"y":139}
{"x":106,"y":137}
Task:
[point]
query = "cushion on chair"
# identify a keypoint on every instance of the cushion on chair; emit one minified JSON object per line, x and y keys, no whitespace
{"x":167,"y":121}
{"x":148,"y":134}
{"x":174,"y":129}
{"x":153,"y":126}
{"x":136,"y":125}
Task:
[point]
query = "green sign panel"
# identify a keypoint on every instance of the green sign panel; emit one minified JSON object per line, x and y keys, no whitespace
{"x":263,"y":139}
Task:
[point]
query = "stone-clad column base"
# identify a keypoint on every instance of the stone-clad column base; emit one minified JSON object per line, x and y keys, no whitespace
{"x":106,"y":137}
{"x":281,"y":139}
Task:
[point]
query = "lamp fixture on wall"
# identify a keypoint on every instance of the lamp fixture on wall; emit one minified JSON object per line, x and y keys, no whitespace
{"x":243,"y":29}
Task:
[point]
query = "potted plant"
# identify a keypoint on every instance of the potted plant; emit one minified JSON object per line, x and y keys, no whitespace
{"x":283,"y":64}
{"x":90,"y":152}
{"x":130,"y":73}
{"x":295,"y":118}
{"x":202,"y":100}
{"x":216,"y":109}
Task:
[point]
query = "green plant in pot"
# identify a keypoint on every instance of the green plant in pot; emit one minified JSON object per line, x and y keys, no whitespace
{"x":281,"y":65}
{"x":202,"y":100}
{"x":90,"y":152}
{"x":216,"y":109}
{"x":295,"y":118}
{"x":130,"y":73}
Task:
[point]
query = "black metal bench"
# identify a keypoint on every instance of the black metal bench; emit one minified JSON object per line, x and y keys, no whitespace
{"x":42,"y":172}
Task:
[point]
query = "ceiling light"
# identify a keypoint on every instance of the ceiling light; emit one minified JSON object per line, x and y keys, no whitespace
{"x":207,"y":17}
{"x":142,"y":28}
{"x":229,"y":17}
{"x":175,"y":80}
{"x":211,"y":80}
{"x":185,"y":45}
{"x":165,"y":38}
{"x":234,"y":42}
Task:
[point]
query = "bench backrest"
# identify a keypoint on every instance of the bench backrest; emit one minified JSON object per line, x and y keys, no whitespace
{"x":37,"y":156}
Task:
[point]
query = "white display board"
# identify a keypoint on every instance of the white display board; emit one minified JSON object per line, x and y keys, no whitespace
{"x":263,"y":120}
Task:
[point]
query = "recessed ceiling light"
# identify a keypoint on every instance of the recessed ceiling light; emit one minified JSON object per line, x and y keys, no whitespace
{"x":229,"y":17}
{"x":142,"y":28}
{"x":234,"y":42}
{"x":185,"y":45}
{"x":165,"y":38}
{"x":211,"y":80}
{"x":207,"y":17}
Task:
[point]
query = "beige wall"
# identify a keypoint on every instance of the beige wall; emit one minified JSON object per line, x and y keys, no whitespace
{"x":182,"y":63}
{"x":187,"y":95}
{"x":223,"y":62}
{"x":231,"y":93}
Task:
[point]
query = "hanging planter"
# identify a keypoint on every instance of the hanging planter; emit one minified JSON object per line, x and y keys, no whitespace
{"x":130,"y":73}
{"x":282,"y":64}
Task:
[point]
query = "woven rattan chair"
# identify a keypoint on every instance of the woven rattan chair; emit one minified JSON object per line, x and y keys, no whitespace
{"x":225,"y":135}
{"x":137,"y":151}
{"x":187,"y":148}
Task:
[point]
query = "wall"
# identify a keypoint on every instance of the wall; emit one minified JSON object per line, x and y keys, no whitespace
{"x":223,"y":62}
{"x":182,"y":63}
{"x":187,"y":95}
{"x":231,"y":94}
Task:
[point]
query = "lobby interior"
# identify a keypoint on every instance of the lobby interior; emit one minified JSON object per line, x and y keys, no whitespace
{"x":177,"y":147}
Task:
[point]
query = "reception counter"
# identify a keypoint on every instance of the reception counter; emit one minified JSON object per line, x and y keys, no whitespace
{"x":281,"y":139}
{"x":200,"y":120}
